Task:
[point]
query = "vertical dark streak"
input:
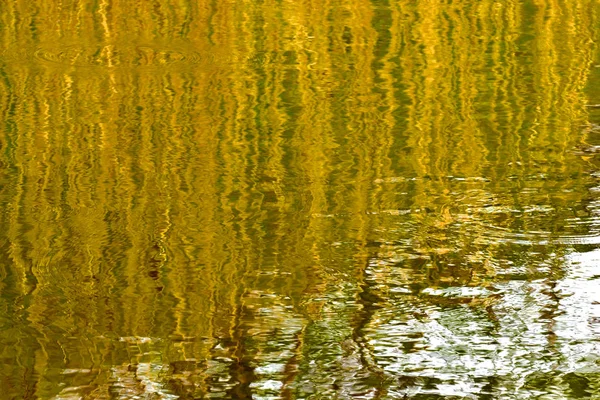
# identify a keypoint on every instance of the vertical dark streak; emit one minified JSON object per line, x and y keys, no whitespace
{"x":291,"y":367}
{"x":369,"y":302}
{"x":241,"y":370}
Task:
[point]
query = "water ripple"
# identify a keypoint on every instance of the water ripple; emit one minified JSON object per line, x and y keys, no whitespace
{"x":111,"y":56}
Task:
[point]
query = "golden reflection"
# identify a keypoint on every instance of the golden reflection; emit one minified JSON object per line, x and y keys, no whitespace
{"x":191,"y":191}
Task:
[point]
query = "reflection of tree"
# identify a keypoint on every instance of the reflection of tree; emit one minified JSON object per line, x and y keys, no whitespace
{"x":140,"y":202}
{"x":368,"y":301}
{"x":241,"y":370}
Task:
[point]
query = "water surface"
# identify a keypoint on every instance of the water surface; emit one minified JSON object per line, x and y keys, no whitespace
{"x":300,"y":200}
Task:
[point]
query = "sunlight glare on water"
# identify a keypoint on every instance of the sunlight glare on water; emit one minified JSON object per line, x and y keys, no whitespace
{"x":300,"y":200}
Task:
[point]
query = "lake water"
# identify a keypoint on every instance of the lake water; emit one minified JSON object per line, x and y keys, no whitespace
{"x":274,"y":199}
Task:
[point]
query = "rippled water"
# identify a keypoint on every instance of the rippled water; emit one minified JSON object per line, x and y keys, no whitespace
{"x":300,"y":200}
